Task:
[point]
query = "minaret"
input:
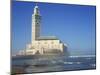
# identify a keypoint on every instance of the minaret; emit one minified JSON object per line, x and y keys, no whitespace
{"x":36,"y":18}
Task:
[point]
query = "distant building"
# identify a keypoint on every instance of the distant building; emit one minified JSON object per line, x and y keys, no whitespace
{"x":42,"y":44}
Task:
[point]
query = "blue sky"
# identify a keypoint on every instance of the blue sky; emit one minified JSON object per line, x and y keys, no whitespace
{"x":72,"y":24}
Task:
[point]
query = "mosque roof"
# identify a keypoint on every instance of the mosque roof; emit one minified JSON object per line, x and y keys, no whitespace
{"x":47,"y":38}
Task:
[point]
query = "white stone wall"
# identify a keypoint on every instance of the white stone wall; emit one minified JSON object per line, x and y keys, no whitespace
{"x":30,"y":51}
{"x":45,"y":46}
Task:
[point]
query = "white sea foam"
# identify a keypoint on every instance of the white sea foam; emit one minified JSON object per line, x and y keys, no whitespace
{"x":82,"y":56}
{"x":68,"y":62}
{"x":78,"y":62}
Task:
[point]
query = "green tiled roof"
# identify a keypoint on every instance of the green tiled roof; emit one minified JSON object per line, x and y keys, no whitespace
{"x":47,"y":38}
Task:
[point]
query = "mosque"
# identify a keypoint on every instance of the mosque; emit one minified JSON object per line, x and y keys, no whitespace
{"x":42,"y":44}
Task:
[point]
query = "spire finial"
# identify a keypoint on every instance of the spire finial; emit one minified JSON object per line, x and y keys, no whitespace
{"x":36,"y":4}
{"x":36,"y":10}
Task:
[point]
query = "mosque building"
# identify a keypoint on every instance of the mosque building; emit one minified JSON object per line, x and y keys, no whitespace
{"x":42,"y":44}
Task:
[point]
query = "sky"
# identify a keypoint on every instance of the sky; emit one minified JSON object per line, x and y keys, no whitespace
{"x":72,"y":24}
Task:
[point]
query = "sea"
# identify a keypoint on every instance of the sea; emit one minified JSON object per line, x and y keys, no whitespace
{"x":52,"y":63}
